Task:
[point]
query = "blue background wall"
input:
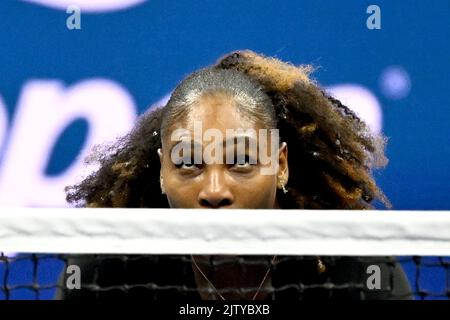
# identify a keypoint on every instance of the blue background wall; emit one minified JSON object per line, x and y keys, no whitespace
{"x":148,"y":48}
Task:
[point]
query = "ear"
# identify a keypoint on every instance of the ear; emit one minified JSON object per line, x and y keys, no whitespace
{"x":283,"y":167}
{"x":161,"y":182}
{"x":160,"y":154}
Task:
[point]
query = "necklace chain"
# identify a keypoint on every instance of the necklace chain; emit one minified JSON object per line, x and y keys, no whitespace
{"x":217,"y":291}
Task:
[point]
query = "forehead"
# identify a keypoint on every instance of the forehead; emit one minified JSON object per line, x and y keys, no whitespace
{"x":216,"y":111}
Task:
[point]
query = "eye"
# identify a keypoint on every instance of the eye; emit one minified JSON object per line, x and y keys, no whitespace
{"x":186,"y":166}
{"x":247,"y":163}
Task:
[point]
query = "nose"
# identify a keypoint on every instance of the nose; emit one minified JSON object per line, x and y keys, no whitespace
{"x":215,"y":193}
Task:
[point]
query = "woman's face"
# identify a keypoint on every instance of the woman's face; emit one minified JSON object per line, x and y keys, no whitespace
{"x":217,"y":183}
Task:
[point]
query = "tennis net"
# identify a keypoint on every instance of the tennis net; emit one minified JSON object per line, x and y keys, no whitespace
{"x":223,"y":254}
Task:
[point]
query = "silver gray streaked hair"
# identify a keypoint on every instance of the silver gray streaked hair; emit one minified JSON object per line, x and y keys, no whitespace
{"x":250,"y":98}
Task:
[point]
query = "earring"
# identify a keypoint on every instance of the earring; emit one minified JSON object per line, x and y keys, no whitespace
{"x":161,"y":183}
{"x":282,"y":186}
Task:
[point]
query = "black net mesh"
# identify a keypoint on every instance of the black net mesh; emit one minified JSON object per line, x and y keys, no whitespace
{"x":159,"y":277}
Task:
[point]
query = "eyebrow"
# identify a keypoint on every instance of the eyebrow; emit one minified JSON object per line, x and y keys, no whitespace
{"x":232,"y":140}
{"x":244,"y":138}
{"x":186,"y":141}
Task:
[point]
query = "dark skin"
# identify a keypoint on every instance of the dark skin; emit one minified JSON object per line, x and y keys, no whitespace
{"x":222,"y":186}
{"x":219,"y":185}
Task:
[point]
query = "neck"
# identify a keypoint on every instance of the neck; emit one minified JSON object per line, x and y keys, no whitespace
{"x":229,"y":277}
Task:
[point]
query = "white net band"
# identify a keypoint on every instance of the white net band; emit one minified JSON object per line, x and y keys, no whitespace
{"x":191,"y":231}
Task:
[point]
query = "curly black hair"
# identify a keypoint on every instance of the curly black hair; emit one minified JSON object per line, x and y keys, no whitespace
{"x":331,"y":151}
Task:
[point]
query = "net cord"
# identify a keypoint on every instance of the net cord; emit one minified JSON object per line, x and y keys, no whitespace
{"x":236,"y":232}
